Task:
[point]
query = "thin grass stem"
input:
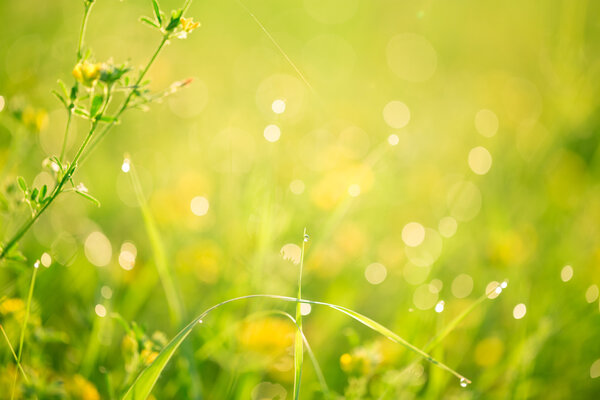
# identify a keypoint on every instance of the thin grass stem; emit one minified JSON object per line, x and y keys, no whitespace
{"x":25,"y":321}
{"x":298,"y":348}
{"x":12,"y":350}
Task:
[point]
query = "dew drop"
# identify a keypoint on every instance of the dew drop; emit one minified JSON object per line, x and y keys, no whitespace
{"x":464,"y":382}
{"x":125,"y":167}
{"x":306,"y":237}
{"x":200,"y":321}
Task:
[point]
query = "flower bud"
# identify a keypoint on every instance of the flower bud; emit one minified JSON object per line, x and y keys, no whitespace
{"x":87,"y":73}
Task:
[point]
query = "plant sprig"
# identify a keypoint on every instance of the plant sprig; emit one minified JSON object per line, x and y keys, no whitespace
{"x":99,"y":82}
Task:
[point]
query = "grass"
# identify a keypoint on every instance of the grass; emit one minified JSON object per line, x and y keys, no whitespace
{"x":427,"y":161}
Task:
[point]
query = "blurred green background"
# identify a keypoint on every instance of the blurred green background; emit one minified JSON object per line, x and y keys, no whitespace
{"x":429,"y":148}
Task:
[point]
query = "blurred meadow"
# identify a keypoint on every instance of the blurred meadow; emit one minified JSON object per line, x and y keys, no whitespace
{"x":431,"y":149}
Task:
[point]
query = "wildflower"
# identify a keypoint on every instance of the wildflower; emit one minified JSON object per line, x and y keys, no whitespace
{"x":81,"y":389}
{"x":187,"y":25}
{"x":346,"y":361}
{"x":148,"y":356}
{"x":9,"y":306}
{"x":267,"y":336}
{"x":87,"y":73}
{"x":82,"y":188}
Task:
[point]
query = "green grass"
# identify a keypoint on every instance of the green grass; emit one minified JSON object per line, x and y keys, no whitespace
{"x":430,"y":149}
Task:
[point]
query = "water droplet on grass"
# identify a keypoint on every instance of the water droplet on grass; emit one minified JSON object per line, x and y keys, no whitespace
{"x":464,"y":382}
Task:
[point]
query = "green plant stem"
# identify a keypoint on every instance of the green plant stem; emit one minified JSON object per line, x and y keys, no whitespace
{"x":86,"y":14}
{"x":125,"y":103}
{"x":12,"y":350}
{"x":64,"y":144}
{"x":57,"y":190}
{"x":25,"y":321}
{"x":311,"y":354}
{"x":71,"y":170}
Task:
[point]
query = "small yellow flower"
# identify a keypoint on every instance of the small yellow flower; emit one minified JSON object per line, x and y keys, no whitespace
{"x":81,"y":389}
{"x":188,"y":24}
{"x":148,"y":356}
{"x":346,"y":361}
{"x":34,"y":119}
{"x":9,"y":306}
{"x":87,"y":73}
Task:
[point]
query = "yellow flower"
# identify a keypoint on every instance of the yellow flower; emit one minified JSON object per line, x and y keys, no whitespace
{"x":267,"y":336}
{"x":346,"y":361}
{"x":87,"y":73}
{"x":81,"y":389}
{"x":34,"y":119}
{"x":9,"y":306}
{"x":188,"y":24}
{"x":148,"y":356}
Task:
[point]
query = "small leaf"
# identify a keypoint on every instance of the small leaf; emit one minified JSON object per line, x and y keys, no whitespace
{"x":157,"y":11}
{"x":22,"y":184}
{"x":43,"y":192}
{"x":60,"y":98}
{"x":96,"y":104}
{"x":34,"y":194}
{"x":16,"y":255}
{"x":64,"y":88}
{"x":89,"y":197}
{"x":175,"y":20}
{"x":108,"y":119}
{"x":81,"y":112}
{"x":57,"y":161}
{"x":150,"y":22}
{"x":74,"y":90}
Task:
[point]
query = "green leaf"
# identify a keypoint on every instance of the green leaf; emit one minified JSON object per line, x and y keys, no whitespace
{"x":57,"y":161}
{"x":34,"y":194}
{"x":64,"y":88}
{"x":74,"y":90}
{"x":150,"y":22}
{"x":108,"y":119}
{"x":157,"y":11}
{"x":141,"y":388}
{"x":175,"y":20}
{"x":81,"y":112}
{"x":22,"y":184}
{"x":43,"y":192}
{"x":96,"y":104}
{"x":89,"y":197}
{"x":60,"y":98}
{"x":16,"y":255}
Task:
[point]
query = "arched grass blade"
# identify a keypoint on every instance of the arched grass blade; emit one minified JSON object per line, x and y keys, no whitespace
{"x":144,"y":383}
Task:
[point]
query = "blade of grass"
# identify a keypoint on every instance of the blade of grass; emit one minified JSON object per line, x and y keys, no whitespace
{"x":209,"y":347}
{"x":25,"y":321}
{"x":142,"y":386}
{"x":298,"y":349}
{"x":175,"y":304}
{"x":12,"y":350}
{"x":458,"y":319}
{"x":311,"y":354}
{"x":276,"y":44}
